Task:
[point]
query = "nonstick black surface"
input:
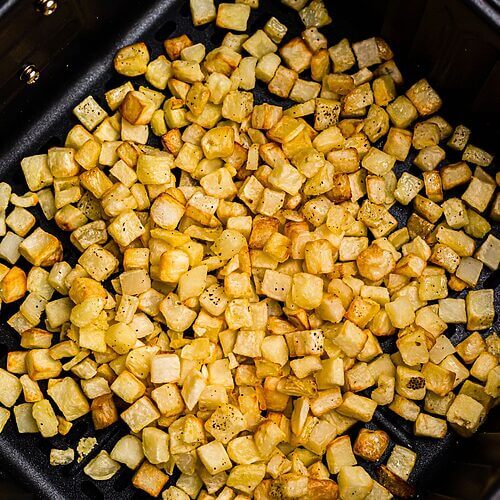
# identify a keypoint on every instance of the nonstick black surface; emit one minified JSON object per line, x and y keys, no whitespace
{"x":43,"y":119}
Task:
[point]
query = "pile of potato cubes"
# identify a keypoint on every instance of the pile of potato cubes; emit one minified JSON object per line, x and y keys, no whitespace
{"x":235,"y":282}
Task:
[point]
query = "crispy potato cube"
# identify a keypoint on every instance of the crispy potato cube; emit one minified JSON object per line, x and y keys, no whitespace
{"x":137,"y":109}
{"x":132,"y":60}
{"x":402,"y":112}
{"x":469,"y":270}
{"x":401,"y":461}
{"x":315,"y":15}
{"x":214,"y":457}
{"x":429,"y":157}
{"x":478,"y":194}
{"x":458,"y":241}
{"x":233,"y":16}
{"x":296,"y":54}
{"x":378,"y":162}
{"x":471,"y":347}
{"x":438,"y":379}
{"x":150,"y":479}
{"x":407,"y":188}
{"x":424,"y":98}
{"x":405,"y":408}
{"x":10,"y":388}
{"x":24,"y":418}
{"x":465,"y":415}
{"x":452,"y":310}
{"x":371,"y":445}
{"x":140,"y":414}
{"x":174,"y":46}
{"x":45,"y":418}
{"x":237,"y":106}
{"x":459,"y":138}
{"x":98,"y":262}
{"x":69,"y":398}
{"x":357,"y":407}
{"x":480,"y":309}
{"x":41,"y":366}
{"x":246,"y":477}
{"x":489,"y":252}
{"x":492,"y":387}
{"x":13,"y":285}
{"x":401,"y":312}
{"x":339,"y":454}
{"x":454,"y":175}
{"x":438,"y":404}
{"x":476,"y":155}
{"x":225,"y":423}
{"x":202,"y":11}
{"x":89,"y":113}
{"x":354,"y":482}
{"x":283,"y":81}
{"x":37,"y":172}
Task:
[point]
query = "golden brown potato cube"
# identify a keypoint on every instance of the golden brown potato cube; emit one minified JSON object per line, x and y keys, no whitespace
{"x":476,"y":155}
{"x":202,"y":11}
{"x":150,"y":479}
{"x":265,"y":116}
{"x":480,"y":309}
{"x":354,"y":482}
{"x":429,"y":426}
{"x":137,"y":109}
{"x":36,"y":172}
{"x":41,"y":366}
{"x":402,"y":112}
{"x":462,"y":244}
{"x":342,"y":56}
{"x":398,"y":143}
{"x":367,"y":52}
{"x":489,"y":252}
{"x":376,"y":123}
{"x":41,"y":248}
{"x":296,"y":54}
{"x":433,"y":186}
{"x":429,"y":157}
{"x":315,"y":15}
{"x":282,"y":82}
{"x":13,"y":285}
{"x":384,"y":90}
{"x":357,"y":100}
{"x":275,"y":29}
{"x":233,"y":16}
{"x":132,"y":60}
{"x":465,"y":415}
{"x":104,"y":411}
{"x":478,"y":194}
{"x":417,"y":226}
{"x":371,"y":445}
{"x":320,"y":65}
{"x":470,"y":348}
{"x":174,"y":46}
{"x":425,"y":134}
{"x":89,"y":113}
{"x":438,"y":379}
{"x":424,"y":97}
{"x":459,"y":138}
{"x":455,"y":175}
{"x":327,"y":113}
{"x":428,"y":209}
{"x":444,"y":256}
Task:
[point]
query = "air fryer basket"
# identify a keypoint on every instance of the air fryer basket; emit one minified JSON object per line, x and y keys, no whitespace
{"x":453,"y":43}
